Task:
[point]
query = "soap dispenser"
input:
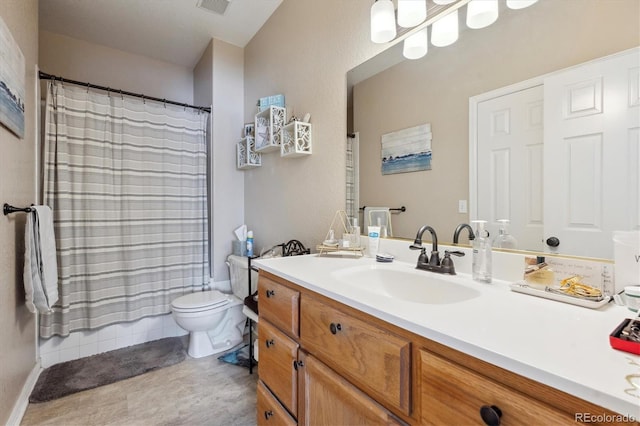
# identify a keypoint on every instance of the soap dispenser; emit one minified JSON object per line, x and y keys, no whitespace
{"x":504,"y":238}
{"x":481,"y":260}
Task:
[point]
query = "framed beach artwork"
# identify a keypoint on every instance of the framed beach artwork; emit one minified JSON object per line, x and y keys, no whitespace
{"x":12,"y":84}
{"x":407,"y":150}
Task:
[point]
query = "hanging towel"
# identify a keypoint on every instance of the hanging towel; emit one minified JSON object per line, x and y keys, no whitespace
{"x":40,"y":264}
{"x":374,"y":216}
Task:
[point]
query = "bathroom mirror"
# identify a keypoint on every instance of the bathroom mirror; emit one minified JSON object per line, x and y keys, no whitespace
{"x":388,"y":93}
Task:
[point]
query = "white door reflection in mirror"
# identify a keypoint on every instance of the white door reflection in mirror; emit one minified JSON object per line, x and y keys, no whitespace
{"x":509,"y":164}
{"x":592,"y":122}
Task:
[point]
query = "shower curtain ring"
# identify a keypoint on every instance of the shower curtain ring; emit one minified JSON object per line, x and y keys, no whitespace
{"x":88,"y":86}
{"x":144,"y":101}
{"x":121,"y":95}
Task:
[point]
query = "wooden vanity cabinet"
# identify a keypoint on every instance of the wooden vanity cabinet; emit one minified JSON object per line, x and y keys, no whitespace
{"x":328,"y":399}
{"x":453,"y":394}
{"x":373,"y":358}
{"x":279,"y":305}
{"x":331,"y":364}
{"x":270,"y":411}
{"x":279,"y":353}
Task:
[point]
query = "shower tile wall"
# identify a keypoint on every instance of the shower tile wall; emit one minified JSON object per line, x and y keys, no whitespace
{"x":81,"y":344}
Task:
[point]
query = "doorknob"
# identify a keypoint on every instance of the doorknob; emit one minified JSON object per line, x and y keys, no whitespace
{"x":553,"y":242}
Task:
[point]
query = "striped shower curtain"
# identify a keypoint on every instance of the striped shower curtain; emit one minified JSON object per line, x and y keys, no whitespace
{"x":127,"y":182}
{"x":352,"y":179}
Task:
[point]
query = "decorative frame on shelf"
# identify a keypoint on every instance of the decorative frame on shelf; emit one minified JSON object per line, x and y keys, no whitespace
{"x":268,"y":126}
{"x":246,"y":155}
{"x":296,"y":139}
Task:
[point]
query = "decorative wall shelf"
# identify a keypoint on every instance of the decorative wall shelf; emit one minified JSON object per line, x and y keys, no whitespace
{"x":268,"y":126}
{"x":246,"y":154}
{"x":296,"y":139}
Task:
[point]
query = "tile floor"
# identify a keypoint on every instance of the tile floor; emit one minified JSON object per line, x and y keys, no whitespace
{"x":194,"y":392}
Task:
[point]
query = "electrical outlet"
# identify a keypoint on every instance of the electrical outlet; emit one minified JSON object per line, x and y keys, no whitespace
{"x":462,"y":206}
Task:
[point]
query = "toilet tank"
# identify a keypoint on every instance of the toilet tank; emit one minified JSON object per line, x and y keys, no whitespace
{"x":238,"y":267}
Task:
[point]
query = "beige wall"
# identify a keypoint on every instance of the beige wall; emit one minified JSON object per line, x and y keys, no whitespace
{"x":304,"y":52}
{"x":17,"y":187}
{"x":88,"y":62}
{"x":436,"y":89}
{"x":227,"y":199}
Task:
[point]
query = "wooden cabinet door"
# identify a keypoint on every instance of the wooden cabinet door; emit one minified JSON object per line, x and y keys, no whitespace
{"x":270,"y":411}
{"x":276,"y":370}
{"x":451,"y":394}
{"x":328,"y":399}
{"x":279,"y":305}
{"x":373,"y":358}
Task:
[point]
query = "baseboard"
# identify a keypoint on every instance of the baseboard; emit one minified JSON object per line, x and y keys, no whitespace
{"x":21,"y":404}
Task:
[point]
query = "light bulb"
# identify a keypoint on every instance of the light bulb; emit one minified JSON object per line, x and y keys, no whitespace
{"x":411,"y":12}
{"x":416,"y":46}
{"x":519,"y":4}
{"x":383,"y":21}
{"x":445,"y":30}
{"x":481,"y":13}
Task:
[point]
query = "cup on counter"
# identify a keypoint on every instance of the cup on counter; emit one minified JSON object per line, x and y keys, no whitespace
{"x":631,"y":297}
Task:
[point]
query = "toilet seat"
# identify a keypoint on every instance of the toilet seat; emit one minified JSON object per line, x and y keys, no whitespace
{"x":199,"y":301}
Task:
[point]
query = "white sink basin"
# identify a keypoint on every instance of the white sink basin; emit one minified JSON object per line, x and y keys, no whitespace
{"x":400,"y":281}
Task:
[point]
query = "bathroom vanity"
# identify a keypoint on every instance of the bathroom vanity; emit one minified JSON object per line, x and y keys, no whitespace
{"x":333,"y":353}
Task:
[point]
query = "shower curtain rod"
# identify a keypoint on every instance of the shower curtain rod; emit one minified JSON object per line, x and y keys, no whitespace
{"x":45,"y":76}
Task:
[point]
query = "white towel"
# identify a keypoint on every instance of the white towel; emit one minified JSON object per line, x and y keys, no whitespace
{"x":374,"y":216}
{"x":40,"y":264}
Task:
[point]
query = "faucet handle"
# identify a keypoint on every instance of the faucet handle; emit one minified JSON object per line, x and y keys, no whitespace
{"x":447,"y":262}
{"x":423,"y":258}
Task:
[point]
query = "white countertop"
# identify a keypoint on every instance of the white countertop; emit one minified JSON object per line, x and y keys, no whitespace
{"x":560,"y":345}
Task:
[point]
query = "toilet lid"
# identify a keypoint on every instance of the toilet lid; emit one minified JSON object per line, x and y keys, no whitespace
{"x":201,"y":299}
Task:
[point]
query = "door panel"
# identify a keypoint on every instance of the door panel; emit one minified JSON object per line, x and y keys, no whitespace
{"x":510,"y":164}
{"x":592,"y":114}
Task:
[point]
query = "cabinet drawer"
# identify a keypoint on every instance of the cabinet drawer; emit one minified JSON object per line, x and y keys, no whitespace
{"x":374,"y":359}
{"x":331,"y":400}
{"x":452,"y":394}
{"x":270,"y":412}
{"x":277,"y":355}
{"x":279,"y":305}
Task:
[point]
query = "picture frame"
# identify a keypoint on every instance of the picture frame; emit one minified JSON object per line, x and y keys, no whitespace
{"x":406,"y":150}
{"x":12,"y":83}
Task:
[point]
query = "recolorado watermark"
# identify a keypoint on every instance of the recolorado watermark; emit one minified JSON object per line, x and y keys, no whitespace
{"x":604,"y":418}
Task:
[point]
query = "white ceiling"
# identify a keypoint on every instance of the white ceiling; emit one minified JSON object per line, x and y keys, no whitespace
{"x":175,"y":31}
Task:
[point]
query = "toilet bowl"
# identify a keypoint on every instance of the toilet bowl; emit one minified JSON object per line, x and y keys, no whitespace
{"x":214,"y":320}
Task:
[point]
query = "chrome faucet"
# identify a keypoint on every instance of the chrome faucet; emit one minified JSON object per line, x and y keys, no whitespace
{"x":459,"y":228}
{"x":432,"y":263}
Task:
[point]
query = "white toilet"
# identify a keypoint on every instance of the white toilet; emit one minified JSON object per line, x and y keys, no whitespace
{"x":214,"y":320}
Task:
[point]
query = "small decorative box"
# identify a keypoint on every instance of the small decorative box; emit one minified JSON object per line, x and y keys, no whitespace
{"x":619,"y":339}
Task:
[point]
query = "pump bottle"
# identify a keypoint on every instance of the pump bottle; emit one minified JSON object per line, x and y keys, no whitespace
{"x":504,"y":238}
{"x":481,"y":261}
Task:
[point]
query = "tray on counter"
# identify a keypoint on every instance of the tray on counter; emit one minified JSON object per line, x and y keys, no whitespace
{"x":618,"y":342}
{"x":523,"y":287}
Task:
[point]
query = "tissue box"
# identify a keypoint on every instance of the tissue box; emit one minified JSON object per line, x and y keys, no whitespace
{"x":239,"y":248}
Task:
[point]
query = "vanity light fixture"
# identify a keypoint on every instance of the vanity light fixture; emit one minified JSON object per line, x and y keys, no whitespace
{"x":383,"y":21}
{"x":416,"y":46}
{"x":411,"y":12}
{"x":519,"y":4}
{"x":444,"y":31}
{"x":481,"y":13}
